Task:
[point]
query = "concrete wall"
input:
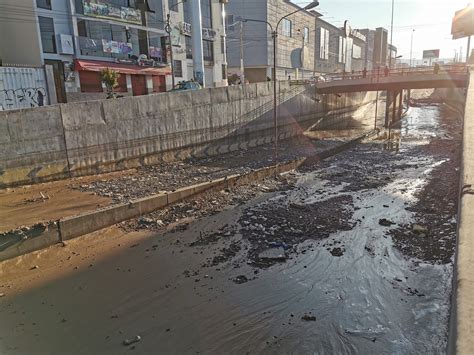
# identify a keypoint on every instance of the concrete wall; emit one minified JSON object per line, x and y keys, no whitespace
{"x":462,"y":318}
{"x":106,"y":135}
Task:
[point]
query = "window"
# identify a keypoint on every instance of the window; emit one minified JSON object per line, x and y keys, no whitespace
{"x":173,"y":5}
{"x":187,"y":11}
{"x":222,"y":44}
{"x":178,"y":68}
{"x":189,"y":47}
{"x":47,"y":34}
{"x":306,"y":35}
{"x":286,"y":27}
{"x":229,"y":20}
{"x":224,"y":71}
{"x":208,"y":50}
{"x":342,"y":49}
{"x":44,"y":4}
{"x":356,"y":52}
{"x":206,"y":13}
{"x":323,"y":43}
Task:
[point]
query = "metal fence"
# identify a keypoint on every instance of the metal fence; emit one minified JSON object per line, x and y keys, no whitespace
{"x":22,"y":88}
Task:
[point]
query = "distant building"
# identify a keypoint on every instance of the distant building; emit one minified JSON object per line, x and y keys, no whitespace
{"x":392,"y":52}
{"x":295,"y":43}
{"x":330,"y":47}
{"x":377,"y":47}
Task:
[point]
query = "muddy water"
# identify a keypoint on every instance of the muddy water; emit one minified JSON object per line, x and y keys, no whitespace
{"x":371,"y":299}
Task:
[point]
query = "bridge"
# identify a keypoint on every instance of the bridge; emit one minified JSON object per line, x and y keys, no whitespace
{"x":394,"y":82}
{"x":448,"y":76}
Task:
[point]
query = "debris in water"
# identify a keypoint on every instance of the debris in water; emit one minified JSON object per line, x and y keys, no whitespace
{"x":241,"y":279}
{"x":419,"y":229}
{"x":34,"y":267}
{"x":385,"y":222}
{"x":2,"y":295}
{"x":337,"y":252}
{"x":309,"y":318}
{"x":273,"y":254}
{"x":279,"y":245}
{"x":128,"y":342}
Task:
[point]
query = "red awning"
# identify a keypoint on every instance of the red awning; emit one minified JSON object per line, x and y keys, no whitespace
{"x":94,"y":65}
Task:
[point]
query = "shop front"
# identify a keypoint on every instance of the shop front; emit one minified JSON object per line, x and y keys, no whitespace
{"x":133,"y":80}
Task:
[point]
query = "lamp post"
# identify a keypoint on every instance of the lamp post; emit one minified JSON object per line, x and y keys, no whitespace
{"x":411,"y":45}
{"x":274,"y":36}
{"x":391,"y":36}
{"x":168,"y":30}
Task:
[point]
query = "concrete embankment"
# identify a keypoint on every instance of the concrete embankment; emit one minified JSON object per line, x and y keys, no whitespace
{"x":25,"y":240}
{"x":84,"y":138}
{"x":462,"y":327}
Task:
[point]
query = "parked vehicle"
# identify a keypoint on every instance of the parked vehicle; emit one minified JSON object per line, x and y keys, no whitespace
{"x":187,"y":85}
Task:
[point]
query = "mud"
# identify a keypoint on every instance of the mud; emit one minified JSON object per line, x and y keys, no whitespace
{"x":191,"y":279}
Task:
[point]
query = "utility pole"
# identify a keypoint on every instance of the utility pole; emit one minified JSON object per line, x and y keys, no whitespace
{"x":468,"y":53}
{"x":242,"y":68}
{"x":168,"y":30}
{"x":411,"y":45}
{"x":196,"y":29}
{"x":391,"y":38}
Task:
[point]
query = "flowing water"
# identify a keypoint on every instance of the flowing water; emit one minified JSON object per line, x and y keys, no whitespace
{"x":370,"y":299}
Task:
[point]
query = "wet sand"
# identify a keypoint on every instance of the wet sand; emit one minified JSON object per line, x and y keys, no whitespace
{"x":370,"y":297}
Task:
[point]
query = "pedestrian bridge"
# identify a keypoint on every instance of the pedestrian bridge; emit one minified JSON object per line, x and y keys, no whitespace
{"x":452,"y":76}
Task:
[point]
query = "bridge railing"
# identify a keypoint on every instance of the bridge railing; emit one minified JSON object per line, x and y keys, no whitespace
{"x":382,"y":72}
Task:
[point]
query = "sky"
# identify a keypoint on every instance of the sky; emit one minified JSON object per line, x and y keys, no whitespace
{"x":431,"y":20}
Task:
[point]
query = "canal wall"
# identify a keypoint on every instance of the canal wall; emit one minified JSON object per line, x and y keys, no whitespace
{"x":84,"y":138}
{"x":462,"y":320}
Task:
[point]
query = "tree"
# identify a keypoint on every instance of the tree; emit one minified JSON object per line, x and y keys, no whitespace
{"x":110,"y":79}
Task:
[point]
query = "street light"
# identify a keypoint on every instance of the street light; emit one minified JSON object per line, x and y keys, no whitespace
{"x":168,"y":30}
{"x":274,"y":36}
{"x":411,"y":45}
{"x":391,"y":35}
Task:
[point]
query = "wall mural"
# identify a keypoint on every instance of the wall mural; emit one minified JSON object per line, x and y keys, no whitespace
{"x":11,"y":99}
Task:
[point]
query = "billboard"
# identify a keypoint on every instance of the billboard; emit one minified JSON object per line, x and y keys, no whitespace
{"x":431,"y":54}
{"x":116,"y":47}
{"x":463,"y":23}
{"x":108,"y":11}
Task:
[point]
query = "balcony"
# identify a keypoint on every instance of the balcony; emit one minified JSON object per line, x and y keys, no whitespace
{"x":109,"y":11}
{"x":120,"y":51}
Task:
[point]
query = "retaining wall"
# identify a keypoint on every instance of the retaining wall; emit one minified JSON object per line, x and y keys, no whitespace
{"x":461,"y":340}
{"x":93,"y":137}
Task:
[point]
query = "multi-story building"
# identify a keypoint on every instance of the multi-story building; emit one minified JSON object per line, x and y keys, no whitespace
{"x":295,"y":40}
{"x":79,"y":38}
{"x":329,"y":55}
{"x":338,"y":49}
{"x":377,"y":49}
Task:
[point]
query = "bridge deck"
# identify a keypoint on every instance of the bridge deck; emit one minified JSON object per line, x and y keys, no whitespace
{"x":455,"y":76}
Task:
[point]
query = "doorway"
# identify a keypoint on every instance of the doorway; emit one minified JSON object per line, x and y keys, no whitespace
{"x":58,"y":72}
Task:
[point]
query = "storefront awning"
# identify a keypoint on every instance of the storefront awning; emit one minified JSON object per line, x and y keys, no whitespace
{"x":94,"y":65}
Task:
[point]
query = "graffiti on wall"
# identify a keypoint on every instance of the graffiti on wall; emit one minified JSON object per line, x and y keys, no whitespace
{"x":22,"y":98}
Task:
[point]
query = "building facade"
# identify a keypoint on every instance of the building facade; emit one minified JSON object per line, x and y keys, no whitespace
{"x":377,"y":50}
{"x":253,"y":41}
{"x":79,"y":38}
{"x":329,"y":55}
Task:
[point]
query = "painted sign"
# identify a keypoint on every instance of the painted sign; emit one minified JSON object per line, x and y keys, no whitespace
{"x":207,"y":33}
{"x":109,"y":11}
{"x":116,"y":47}
{"x":155,"y":52}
